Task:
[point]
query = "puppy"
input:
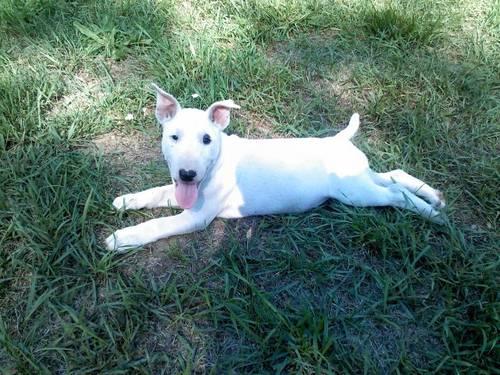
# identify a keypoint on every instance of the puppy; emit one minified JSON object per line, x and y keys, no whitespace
{"x":216,"y":175}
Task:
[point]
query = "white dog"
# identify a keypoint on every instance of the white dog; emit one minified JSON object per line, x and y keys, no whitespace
{"x":216,"y":175}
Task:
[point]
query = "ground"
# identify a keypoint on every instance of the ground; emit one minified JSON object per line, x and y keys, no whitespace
{"x":334,"y":290}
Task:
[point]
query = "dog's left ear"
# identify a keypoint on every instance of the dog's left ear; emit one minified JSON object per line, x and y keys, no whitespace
{"x":219,"y":112}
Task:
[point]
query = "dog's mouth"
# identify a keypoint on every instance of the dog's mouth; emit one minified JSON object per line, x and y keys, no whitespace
{"x":186,"y":193}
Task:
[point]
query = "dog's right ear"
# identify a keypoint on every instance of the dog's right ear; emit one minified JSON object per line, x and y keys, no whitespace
{"x":166,"y":106}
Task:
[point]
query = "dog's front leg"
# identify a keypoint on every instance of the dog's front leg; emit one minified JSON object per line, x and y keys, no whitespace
{"x":163,"y":196}
{"x":155,"y":229}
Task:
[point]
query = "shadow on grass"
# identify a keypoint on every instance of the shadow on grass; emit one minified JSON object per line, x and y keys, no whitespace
{"x":322,"y":291}
{"x":103,"y":27}
{"x":420,"y":110}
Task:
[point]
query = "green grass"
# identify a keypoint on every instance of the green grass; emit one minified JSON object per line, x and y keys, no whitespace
{"x":334,"y":290}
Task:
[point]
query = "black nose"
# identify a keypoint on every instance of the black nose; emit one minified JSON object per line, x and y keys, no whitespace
{"x":187,"y":176}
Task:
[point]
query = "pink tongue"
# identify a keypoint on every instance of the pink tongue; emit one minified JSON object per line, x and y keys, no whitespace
{"x":186,"y":194}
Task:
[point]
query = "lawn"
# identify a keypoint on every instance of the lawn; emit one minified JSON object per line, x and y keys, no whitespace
{"x":334,"y":290}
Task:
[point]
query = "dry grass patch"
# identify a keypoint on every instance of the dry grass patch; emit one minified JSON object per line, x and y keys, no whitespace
{"x":128,"y":151}
{"x":256,"y":125}
{"x":83,"y":92}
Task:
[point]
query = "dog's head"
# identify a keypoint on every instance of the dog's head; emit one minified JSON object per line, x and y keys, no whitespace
{"x":191,"y":142}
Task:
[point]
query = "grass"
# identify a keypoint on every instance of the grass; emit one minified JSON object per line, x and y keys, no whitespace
{"x":334,"y":290}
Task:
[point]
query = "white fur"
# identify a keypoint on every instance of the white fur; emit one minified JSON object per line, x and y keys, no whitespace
{"x":240,"y":177}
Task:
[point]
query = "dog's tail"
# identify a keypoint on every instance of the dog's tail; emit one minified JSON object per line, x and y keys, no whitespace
{"x":351,"y":129}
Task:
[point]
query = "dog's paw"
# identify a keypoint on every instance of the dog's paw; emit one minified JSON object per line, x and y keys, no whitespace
{"x":111,"y":242}
{"x":121,"y":241}
{"x":125,"y":202}
{"x":440,"y":203}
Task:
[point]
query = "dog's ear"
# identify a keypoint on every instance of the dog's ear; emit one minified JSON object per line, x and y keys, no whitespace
{"x":218,"y":113}
{"x":166,"y":105}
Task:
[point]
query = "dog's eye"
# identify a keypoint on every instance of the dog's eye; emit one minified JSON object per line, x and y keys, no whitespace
{"x":174,"y":137}
{"x":206,"y":139}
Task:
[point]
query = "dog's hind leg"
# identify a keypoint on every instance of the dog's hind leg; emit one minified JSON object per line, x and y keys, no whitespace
{"x":163,"y":196}
{"x":367,"y":192}
{"x":404,"y":198}
{"x":413,"y":184}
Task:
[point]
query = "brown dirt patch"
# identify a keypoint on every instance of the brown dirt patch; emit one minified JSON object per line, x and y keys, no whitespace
{"x":84,"y":90}
{"x":126,"y":150}
{"x":125,"y":69}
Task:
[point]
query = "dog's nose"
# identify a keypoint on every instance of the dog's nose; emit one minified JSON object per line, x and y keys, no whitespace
{"x":187,"y":176}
